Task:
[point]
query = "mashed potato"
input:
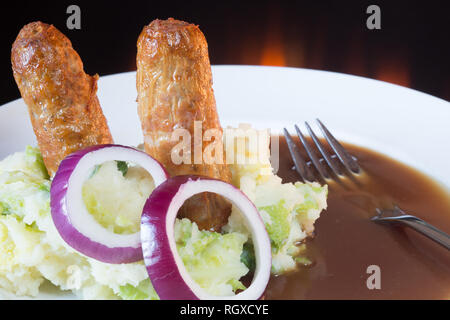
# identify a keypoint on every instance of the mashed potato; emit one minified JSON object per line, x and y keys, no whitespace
{"x":288,"y":210}
{"x":32,"y":251}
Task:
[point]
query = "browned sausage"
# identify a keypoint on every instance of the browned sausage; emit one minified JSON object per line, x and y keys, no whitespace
{"x":61,"y":98}
{"x":174,"y":84}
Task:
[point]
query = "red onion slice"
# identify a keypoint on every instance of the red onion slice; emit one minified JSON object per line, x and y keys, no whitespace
{"x":76,"y":226}
{"x":164,"y":265}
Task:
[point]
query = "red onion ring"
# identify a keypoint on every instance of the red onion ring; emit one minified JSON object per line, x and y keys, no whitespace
{"x":76,"y":226}
{"x":164,"y":265}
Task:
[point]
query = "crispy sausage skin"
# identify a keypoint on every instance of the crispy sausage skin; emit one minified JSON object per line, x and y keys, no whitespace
{"x":174,"y":84}
{"x":61,"y":98}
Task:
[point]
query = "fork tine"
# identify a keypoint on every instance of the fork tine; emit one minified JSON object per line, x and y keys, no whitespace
{"x":323,"y":152}
{"x":312,"y":155}
{"x":300,"y":165}
{"x":346,"y":159}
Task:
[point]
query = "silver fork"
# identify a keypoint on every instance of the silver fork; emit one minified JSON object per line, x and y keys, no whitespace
{"x":342,"y":164}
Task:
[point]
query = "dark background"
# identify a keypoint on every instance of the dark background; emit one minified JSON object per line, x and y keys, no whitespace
{"x":411,"y":49}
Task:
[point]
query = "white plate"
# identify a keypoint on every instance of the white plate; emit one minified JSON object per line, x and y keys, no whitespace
{"x":408,"y":125}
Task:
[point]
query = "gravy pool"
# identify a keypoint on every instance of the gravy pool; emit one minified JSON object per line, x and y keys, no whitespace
{"x":346,"y":242}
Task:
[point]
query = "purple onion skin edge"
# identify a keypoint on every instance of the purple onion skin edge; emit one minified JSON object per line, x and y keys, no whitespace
{"x":161,"y":266}
{"x":67,"y":231}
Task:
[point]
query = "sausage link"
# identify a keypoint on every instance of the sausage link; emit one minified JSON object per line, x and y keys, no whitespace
{"x":61,"y":98}
{"x":174,"y":84}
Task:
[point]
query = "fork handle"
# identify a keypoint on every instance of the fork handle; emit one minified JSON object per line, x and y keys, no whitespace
{"x":426,"y":229}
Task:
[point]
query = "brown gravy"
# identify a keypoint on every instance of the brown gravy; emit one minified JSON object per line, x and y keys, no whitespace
{"x":347,"y":242}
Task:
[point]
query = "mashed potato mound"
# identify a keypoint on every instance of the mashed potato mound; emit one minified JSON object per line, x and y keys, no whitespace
{"x":32,"y":251}
{"x":288,"y":210}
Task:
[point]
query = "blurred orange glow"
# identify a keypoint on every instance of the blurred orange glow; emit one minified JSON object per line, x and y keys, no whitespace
{"x":394,"y":70}
{"x":277,"y":49}
{"x":273,"y":52}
